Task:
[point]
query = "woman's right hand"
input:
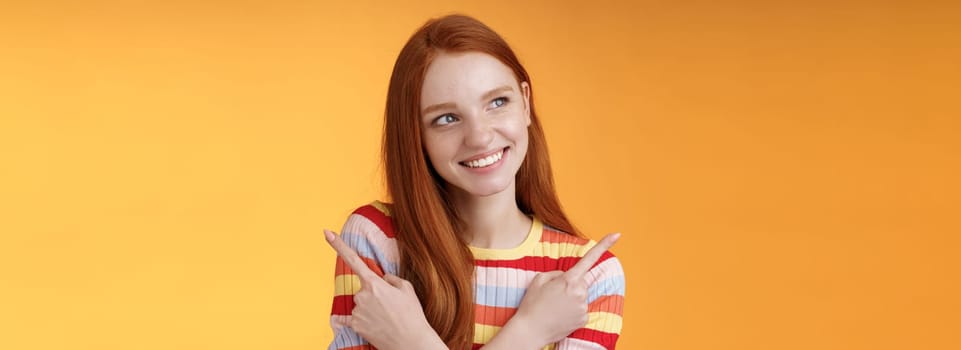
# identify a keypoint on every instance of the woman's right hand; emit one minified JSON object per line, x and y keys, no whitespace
{"x":386,"y":310}
{"x":555,"y":304}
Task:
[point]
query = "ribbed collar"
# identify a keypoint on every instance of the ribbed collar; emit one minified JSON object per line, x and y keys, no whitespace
{"x":533,"y":237}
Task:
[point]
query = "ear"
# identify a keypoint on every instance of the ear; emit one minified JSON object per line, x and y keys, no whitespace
{"x":526,"y":91}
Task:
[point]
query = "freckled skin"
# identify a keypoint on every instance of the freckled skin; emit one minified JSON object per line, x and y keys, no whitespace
{"x":476,"y":123}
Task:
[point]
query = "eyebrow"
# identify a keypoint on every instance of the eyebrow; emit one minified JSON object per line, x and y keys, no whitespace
{"x":487,"y":95}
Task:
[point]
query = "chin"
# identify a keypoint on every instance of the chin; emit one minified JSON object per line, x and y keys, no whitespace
{"x":485,"y":190}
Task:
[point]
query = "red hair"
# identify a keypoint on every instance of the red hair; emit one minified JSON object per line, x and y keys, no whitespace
{"x":434,"y":258}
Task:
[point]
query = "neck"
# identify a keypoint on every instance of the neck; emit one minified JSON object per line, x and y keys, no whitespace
{"x":492,"y":222}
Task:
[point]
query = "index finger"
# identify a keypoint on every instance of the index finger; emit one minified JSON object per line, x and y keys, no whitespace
{"x":592,"y":255}
{"x":350,"y":257}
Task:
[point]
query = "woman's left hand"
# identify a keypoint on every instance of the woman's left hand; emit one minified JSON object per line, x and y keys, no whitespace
{"x":386,"y":311}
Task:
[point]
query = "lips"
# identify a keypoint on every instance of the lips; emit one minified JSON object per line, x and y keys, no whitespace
{"x":485,"y":159}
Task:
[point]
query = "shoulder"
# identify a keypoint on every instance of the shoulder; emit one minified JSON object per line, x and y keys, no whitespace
{"x":571,"y":248}
{"x":369,"y":230}
{"x":371,"y":219}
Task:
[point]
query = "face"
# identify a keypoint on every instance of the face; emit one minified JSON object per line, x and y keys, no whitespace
{"x":474,"y":117}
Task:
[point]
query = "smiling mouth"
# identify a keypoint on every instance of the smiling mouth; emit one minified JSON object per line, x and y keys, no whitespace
{"x":486,"y":161}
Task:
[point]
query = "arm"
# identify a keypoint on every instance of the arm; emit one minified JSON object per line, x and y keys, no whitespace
{"x":605,"y":299}
{"x":372,"y":306}
{"x":370,"y":245}
{"x":345,"y":287}
{"x":514,"y":336}
{"x":565,"y":304}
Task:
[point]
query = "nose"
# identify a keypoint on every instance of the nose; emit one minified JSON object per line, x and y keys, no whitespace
{"x":479,"y":133}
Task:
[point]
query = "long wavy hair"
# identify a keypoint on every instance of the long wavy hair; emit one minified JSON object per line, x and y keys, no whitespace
{"x":434,"y":258}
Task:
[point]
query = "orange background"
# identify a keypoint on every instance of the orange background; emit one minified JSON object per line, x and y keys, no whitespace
{"x":785,"y":176}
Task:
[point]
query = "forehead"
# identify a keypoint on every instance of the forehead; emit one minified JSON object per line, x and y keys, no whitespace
{"x":453,"y":77}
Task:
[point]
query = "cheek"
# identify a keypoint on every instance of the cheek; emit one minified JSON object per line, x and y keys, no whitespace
{"x":516,"y":130}
{"x":436,"y":149}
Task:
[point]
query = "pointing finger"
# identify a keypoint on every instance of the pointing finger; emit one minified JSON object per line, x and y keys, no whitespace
{"x":592,"y":255}
{"x":350,"y":257}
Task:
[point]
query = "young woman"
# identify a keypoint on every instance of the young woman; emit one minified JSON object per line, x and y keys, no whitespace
{"x":474,"y":251}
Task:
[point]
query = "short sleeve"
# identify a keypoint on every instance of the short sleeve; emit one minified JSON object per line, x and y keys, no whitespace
{"x":605,"y":298}
{"x":369,"y":231}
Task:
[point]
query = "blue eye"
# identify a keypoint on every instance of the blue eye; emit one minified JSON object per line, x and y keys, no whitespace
{"x":497,"y":102}
{"x":445,"y":119}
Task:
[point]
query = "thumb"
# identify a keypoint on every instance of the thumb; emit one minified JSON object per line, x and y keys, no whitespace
{"x":544,"y":277}
{"x":395,"y":281}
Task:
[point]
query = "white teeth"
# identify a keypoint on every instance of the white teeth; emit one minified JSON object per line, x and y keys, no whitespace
{"x":483,"y":162}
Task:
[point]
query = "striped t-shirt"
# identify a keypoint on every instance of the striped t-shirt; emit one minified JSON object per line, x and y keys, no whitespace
{"x":501,"y":276}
